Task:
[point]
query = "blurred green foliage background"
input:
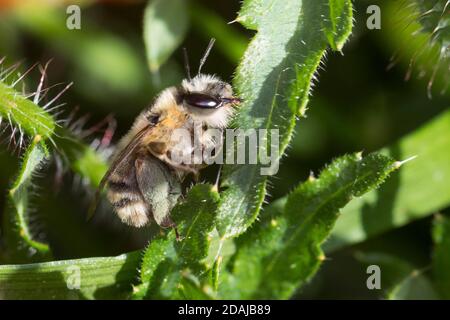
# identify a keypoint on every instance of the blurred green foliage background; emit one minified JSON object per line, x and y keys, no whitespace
{"x":358,"y":104}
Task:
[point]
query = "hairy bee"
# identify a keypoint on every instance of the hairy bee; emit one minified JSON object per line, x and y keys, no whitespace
{"x":143,"y":181}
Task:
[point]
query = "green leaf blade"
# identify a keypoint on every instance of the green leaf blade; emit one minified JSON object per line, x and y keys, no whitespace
{"x":80,"y":157}
{"x":100,"y":278}
{"x":416,"y":286}
{"x":274,"y":80}
{"x":24,"y":114}
{"x":338,"y":30}
{"x":166,"y":260}
{"x":283,"y":251}
{"x":409,"y":194}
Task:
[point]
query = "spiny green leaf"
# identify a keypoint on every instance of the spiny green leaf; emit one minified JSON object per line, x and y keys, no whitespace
{"x":19,"y":239}
{"x":282,"y":252}
{"x":30,"y":120}
{"x":165,"y":25}
{"x":338,"y":27}
{"x":441,"y":255}
{"x":274,"y":80}
{"x":419,"y":189}
{"x":100,"y":278}
{"x":166,"y":259}
{"x":24,"y":114}
{"x":36,"y":124}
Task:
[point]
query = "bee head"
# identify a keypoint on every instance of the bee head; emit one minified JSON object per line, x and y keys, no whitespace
{"x":209,"y":99}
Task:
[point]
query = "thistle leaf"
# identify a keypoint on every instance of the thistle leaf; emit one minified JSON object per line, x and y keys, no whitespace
{"x":20,"y":243}
{"x":23,"y":114}
{"x":409,"y":194}
{"x":274,"y":80}
{"x":33,"y":122}
{"x":282,"y":251}
{"x":100,"y":278}
{"x":167,"y":261}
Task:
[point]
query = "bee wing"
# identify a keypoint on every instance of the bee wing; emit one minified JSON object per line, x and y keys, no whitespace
{"x":119,"y":161}
{"x":159,"y":187}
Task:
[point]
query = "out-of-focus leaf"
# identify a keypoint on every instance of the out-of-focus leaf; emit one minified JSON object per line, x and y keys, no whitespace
{"x":120,"y":71}
{"x":441,"y":255}
{"x":165,"y":25}
{"x":415,"y":286}
{"x":231,"y":43}
{"x":100,"y":278}
{"x":400,"y":280}
{"x":80,"y":157}
{"x":393,"y":269}
{"x":20,"y":243}
{"x":419,"y":189}
{"x":190,"y":288}
{"x":274,"y":80}
{"x":8,"y":37}
{"x":282,"y":252}
{"x":167,"y":260}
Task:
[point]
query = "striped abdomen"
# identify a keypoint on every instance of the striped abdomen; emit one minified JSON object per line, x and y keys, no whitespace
{"x":126,"y":198}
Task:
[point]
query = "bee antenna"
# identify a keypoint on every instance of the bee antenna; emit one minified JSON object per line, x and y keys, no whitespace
{"x":186,"y":64}
{"x":205,"y":55}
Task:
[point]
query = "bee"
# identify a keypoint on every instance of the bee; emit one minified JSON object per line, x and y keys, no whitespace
{"x":143,"y":182}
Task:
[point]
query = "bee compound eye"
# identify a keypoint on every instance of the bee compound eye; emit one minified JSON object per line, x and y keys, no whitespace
{"x":201,"y":100}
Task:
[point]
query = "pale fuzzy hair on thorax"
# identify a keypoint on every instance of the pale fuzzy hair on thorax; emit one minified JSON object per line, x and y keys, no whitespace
{"x":199,"y":83}
{"x":165,"y":98}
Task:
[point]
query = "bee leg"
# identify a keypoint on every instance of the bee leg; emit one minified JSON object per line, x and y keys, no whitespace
{"x":216,"y":183}
{"x":159,"y":187}
{"x":176,"y":165}
{"x":168,"y":223}
{"x":196,"y":176}
{"x":177,"y":234}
